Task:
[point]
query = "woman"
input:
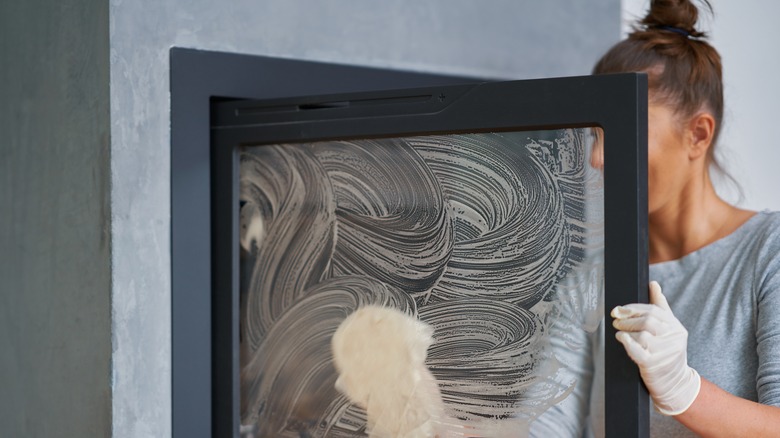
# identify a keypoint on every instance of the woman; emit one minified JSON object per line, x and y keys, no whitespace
{"x":719,"y":264}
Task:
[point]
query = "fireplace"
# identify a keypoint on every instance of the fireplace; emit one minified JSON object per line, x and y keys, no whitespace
{"x":302,"y":192}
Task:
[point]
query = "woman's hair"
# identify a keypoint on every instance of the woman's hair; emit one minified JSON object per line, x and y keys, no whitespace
{"x":684,"y":70}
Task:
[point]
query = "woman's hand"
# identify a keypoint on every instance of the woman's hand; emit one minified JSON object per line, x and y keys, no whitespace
{"x":656,"y":340}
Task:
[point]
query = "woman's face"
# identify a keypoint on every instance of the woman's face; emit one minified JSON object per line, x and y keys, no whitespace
{"x":668,"y":159}
{"x":668,"y":167}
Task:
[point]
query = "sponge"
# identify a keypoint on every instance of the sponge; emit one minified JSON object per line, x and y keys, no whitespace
{"x":379,"y":353}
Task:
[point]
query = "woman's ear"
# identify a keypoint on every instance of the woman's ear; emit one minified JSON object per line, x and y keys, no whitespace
{"x":701,"y":131}
{"x":597,"y":150}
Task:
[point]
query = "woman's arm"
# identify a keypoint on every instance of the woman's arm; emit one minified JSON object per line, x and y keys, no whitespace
{"x":656,"y":340}
{"x":716,"y":413}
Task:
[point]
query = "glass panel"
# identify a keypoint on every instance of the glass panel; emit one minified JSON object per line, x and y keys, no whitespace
{"x":464,"y":275}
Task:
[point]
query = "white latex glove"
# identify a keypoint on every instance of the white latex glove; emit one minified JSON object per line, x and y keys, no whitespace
{"x":658,"y":343}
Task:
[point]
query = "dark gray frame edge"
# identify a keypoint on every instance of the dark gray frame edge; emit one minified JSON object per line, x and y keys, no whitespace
{"x":196,"y":77}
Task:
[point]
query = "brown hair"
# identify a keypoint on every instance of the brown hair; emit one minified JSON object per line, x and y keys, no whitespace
{"x":684,"y":70}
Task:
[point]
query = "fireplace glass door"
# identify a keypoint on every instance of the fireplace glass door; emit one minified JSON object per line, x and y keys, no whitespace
{"x":428,"y":262}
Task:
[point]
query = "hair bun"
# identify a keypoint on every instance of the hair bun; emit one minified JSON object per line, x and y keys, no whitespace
{"x":680,"y":14}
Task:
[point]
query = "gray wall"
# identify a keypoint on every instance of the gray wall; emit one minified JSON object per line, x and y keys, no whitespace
{"x":55,"y":326}
{"x":748,"y":145}
{"x":58,"y":354}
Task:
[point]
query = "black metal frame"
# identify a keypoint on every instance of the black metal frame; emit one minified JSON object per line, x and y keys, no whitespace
{"x":204,"y":192}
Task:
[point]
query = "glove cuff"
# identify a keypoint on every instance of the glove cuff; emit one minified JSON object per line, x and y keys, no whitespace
{"x":682,"y":396}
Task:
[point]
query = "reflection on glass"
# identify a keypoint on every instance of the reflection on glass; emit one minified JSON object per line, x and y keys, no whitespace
{"x":485,"y":249}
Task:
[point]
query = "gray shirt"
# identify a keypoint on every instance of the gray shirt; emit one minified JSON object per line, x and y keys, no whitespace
{"x":727,"y":295}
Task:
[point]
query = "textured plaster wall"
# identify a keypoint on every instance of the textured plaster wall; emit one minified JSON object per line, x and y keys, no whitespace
{"x":499,"y":38}
{"x":55,"y":327}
